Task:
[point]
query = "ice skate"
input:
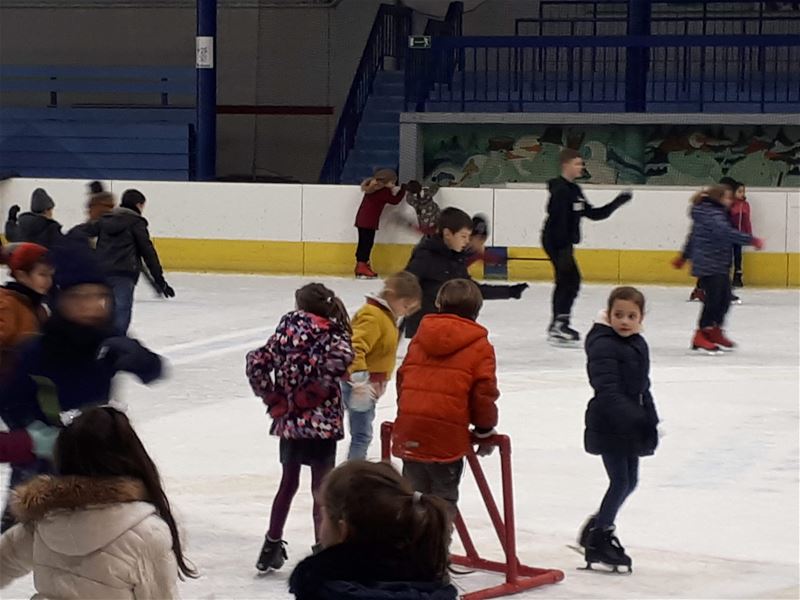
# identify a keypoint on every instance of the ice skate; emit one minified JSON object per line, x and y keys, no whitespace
{"x":364,"y":271}
{"x":560,"y":334}
{"x":735,"y":299}
{"x":701,"y":343}
{"x":583,"y":537}
{"x":737,"y":280}
{"x":716,"y":336}
{"x":697,"y":295}
{"x":603,"y":547}
{"x":272,"y":556}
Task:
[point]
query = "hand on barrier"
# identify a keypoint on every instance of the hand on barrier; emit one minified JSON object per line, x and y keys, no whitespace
{"x":678,"y":262}
{"x":485,"y":448}
{"x":758,"y":243}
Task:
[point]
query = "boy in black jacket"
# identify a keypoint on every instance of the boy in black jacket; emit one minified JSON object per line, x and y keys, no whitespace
{"x":440,"y":258}
{"x":123,"y":244}
{"x":561,"y":232}
{"x":36,"y":226}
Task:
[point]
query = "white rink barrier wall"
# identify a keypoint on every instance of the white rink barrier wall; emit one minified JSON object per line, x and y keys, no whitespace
{"x":308,"y":229}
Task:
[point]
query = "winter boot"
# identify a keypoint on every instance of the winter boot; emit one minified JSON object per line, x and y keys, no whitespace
{"x":561,"y":333}
{"x":697,"y":294}
{"x":701,"y":342}
{"x":716,"y":336}
{"x":364,"y":271}
{"x":588,"y":525}
{"x":604,"y":547}
{"x":272,"y":556}
{"x":737,"y":280}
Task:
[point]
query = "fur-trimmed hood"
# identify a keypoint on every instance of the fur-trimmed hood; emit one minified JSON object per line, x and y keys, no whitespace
{"x":79,"y":515}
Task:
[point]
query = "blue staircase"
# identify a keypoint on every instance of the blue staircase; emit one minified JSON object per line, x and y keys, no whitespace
{"x":378,"y":139}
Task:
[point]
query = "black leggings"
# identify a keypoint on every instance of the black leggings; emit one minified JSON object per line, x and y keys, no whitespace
{"x":623,"y":475}
{"x":568,"y":280}
{"x":290,"y":481}
{"x":366,"y":240}
{"x":737,"y":258}
{"x":718,"y":299}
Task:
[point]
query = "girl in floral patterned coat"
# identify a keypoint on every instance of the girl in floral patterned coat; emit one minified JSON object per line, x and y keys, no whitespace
{"x":297,"y":373}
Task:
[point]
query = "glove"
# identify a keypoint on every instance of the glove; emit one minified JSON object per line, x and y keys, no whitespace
{"x":167,"y":290}
{"x":678,"y":262}
{"x":13,"y":212}
{"x":515,"y":291}
{"x":624,"y":197}
{"x":361,"y":393}
{"x":484,"y":448}
{"x":758,"y":243}
{"x":414,"y":186}
{"x":43,"y":438}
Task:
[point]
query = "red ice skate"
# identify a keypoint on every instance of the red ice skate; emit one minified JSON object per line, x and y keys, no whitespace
{"x":701,"y":342}
{"x":697,"y":294}
{"x":716,"y":336}
{"x":364,"y":271}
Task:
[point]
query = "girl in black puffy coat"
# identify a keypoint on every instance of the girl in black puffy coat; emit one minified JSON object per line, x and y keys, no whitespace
{"x":621,"y":418}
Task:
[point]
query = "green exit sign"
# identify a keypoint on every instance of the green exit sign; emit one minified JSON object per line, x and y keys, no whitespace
{"x":419,"y":41}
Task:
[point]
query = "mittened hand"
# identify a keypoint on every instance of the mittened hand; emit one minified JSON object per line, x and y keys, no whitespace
{"x":361,"y":394}
{"x":515,"y":291}
{"x":758,"y":243}
{"x":624,"y":197}
{"x":484,"y":449}
{"x":13,"y":212}
{"x":43,"y":439}
{"x":167,"y":290}
{"x":678,"y":262}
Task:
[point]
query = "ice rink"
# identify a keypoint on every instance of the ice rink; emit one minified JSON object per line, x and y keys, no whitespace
{"x":715,"y":514}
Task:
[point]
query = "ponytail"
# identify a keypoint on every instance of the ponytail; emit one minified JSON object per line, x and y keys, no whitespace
{"x":319,"y":300}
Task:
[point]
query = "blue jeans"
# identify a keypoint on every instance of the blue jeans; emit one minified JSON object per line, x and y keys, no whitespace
{"x":360,"y":427}
{"x":122,"y":287}
{"x":623,"y":475}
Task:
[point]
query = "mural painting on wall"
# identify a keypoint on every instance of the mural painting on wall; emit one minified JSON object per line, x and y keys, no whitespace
{"x":475,"y":155}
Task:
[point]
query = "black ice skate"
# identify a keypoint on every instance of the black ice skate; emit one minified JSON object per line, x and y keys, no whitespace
{"x":583,"y":538}
{"x":561,"y":334}
{"x":603,"y":547}
{"x":737,"y":280}
{"x":272,"y":556}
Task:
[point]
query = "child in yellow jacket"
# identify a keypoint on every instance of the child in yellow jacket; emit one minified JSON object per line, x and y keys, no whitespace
{"x":375,"y":339}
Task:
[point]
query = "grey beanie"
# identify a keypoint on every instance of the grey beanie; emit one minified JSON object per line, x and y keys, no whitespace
{"x":41,"y":201}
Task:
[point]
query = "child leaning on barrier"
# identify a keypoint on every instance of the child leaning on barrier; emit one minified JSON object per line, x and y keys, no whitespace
{"x":446,"y":384}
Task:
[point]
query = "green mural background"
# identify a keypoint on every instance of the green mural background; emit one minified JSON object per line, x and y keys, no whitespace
{"x":473,"y":155}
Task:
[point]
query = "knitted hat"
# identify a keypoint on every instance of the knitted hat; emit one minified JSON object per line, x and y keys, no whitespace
{"x":75,"y":264}
{"x":23,"y":256}
{"x":385,"y":175}
{"x":130,"y":198}
{"x":41,"y":201}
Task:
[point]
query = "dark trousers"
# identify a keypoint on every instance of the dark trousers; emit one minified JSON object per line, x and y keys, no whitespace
{"x":718,"y":299}
{"x":568,"y":280}
{"x":737,"y":258}
{"x":366,"y":240}
{"x":623,"y":475}
{"x":122,"y":288}
{"x":438,"y":479}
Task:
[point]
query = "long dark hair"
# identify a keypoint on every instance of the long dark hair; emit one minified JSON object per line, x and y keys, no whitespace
{"x":100,"y":442}
{"x":381,"y":509}
{"x":319,"y":300}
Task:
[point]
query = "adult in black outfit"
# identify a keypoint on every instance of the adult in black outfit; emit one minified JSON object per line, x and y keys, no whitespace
{"x":561,"y":232}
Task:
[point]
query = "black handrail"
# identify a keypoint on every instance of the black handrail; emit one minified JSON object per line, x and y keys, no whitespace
{"x":387,"y":38}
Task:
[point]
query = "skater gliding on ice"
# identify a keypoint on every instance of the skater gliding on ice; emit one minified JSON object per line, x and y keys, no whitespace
{"x":621,"y":418}
{"x":562,"y":231}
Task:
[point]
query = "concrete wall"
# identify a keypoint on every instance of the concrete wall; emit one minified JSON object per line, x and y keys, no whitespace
{"x":309,"y":228}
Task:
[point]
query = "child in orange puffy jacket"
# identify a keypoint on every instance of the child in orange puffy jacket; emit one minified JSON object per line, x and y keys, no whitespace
{"x":446,"y":384}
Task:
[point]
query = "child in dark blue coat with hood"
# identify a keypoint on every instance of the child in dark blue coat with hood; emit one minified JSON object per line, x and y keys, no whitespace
{"x":621,"y":418}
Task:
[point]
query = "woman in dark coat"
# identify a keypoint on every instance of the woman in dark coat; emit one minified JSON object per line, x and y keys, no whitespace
{"x":621,"y":418}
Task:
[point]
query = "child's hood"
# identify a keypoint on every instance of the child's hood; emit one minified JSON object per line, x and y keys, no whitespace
{"x":446,"y":334}
{"x":77,"y":516}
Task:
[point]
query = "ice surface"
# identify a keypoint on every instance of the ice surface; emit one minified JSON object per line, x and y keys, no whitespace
{"x":715,"y":514}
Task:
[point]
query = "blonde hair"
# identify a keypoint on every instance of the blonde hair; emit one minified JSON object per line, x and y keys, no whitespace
{"x":402,"y":286}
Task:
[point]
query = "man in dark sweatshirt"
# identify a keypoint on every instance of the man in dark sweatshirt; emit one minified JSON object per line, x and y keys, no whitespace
{"x":36,"y":226}
{"x":123,"y":244}
{"x":561,"y":232}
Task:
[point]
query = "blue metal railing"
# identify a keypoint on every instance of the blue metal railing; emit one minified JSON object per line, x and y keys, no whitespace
{"x":759,"y":73}
{"x":388,"y":38}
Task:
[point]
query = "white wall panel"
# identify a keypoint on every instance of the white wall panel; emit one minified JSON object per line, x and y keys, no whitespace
{"x":768,"y":215}
{"x":792,"y":221}
{"x":227,"y":211}
{"x":518,"y":216}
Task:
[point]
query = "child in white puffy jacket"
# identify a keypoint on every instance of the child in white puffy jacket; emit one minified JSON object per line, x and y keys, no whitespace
{"x":103,"y":528}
